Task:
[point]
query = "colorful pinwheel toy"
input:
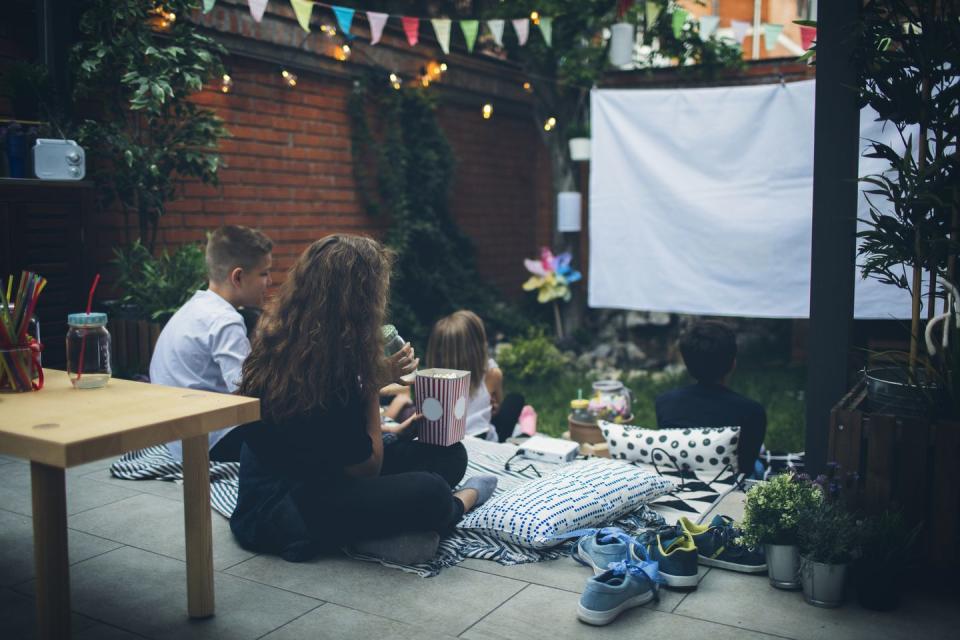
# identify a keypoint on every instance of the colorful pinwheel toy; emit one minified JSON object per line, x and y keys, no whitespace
{"x":552,"y":276}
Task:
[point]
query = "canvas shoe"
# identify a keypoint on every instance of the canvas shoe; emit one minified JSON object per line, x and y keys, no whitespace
{"x":597,"y":548}
{"x":675,"y":553}
{"x":718,"y":546}
{"x":624,"y":585}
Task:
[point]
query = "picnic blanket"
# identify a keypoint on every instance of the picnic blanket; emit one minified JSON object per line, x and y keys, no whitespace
{"x":695,"y":499}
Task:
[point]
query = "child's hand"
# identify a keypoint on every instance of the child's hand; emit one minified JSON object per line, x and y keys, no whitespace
{"x":402,"y":363}
{"x":406,"y":430}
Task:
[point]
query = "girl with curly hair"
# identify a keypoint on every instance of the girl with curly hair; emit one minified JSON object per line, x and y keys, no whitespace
{"x":314,"y":472}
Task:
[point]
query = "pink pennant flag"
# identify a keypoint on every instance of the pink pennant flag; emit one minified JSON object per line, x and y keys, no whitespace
{"x":377,"y":22}
{"x":411,"y":27}
{"x":257,"y":7}
{"x":522,"y":27}
{"x":807,"y":37}
{"x":739,"y":30}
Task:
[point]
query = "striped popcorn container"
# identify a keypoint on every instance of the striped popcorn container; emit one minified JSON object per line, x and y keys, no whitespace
{"x":441,"y":396}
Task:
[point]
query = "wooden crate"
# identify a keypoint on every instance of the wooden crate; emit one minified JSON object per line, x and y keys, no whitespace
{"x":132,"y":344}
{"x":909,"y":463}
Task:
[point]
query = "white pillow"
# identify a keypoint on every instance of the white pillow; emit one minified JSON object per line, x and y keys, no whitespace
{"x":698,"y":449}
{"x":577,"y":495}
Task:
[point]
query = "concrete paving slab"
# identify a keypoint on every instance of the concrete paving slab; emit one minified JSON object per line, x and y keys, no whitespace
{"x":82,"y":494}
{"x":163,"y":488}
{"x":18,"y":616}
{"x":145,"y":593}
{"x":101,"y":631}
{"x":340,"y":623}
{"x":16,"y":547}
{"x":91,"y":467}
{"x":551,"y":614}
{"x":156,"y":524}
{"x":448,"y":603}
{"x":751,"y":603}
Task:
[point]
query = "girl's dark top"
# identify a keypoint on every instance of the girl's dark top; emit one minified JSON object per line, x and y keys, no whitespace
{"x":286,"y":465}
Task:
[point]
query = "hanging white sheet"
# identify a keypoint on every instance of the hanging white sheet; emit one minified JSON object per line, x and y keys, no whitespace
{"x":701,"y":200}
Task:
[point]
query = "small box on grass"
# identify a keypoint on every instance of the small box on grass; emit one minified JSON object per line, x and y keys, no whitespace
{"x":441,"y":396}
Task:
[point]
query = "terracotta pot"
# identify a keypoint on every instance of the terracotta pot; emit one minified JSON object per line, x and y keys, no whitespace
{"x":587,"y":432}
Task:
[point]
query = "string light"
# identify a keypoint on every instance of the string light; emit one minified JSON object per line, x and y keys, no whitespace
{"x":487,"y":111}
{"x":226,"y":83}
{"x":443,"y":66}
{"x":527,"y":87}
{"x":328,"y":29}
{"x":535,"y":17}
{"x":289,"y":78}
{"x":342,"y":52}
{"x":160,"y":19}
{"x":395,"y":81}
{"x":550,"y":123}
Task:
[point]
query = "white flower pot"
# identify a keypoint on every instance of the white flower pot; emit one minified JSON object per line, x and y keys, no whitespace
{"x":579,"y":149}
{"x":783,"y":565}
{"x":822,"y":583}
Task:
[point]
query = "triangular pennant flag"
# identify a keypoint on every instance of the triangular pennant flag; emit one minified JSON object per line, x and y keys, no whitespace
{"x":653,"y":12}
{"x":739,"y":30}
{"x":377,"y":21}
{"x":546,"y":28}
{"x":679,"y":19}
{"x":808,"y":36}
{"x":708,"y":25}
{"x":344,"y":18}
{"x":303,"y":9}
{"x":770,"y":34}
{"x":208,"y":5}
{"x":522,"y":27}
{"x":470,"y":28}
{"x":257,"y":7}
{"x":496,"y":30}
{"x":411,"y":27}
{"x":441,"y":27}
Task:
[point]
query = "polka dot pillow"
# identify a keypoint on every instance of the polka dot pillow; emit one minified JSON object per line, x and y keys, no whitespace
{"x":577,"y":495}
{"x":696,"y":449}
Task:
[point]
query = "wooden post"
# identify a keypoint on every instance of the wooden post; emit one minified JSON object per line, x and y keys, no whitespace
{"x":50,"y":551}
{"x":199,"y":531}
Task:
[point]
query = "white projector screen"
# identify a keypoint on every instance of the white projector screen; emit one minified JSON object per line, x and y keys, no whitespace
{"x":701,"y":199}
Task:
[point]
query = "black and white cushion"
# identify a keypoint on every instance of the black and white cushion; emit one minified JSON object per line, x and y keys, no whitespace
{"x":697,"y":449}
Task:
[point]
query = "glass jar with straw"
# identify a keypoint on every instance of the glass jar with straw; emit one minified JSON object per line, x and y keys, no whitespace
{"x":88,"y":347}
{"x":20,"y":368}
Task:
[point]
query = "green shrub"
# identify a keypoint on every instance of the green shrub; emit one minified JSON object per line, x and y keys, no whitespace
{"x":532,"y":357}
{"x":828,"y":534}
{"x":773,"y":509}
{"x":155,"y":287}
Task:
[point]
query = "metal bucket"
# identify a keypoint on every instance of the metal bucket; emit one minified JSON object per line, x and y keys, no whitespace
{"x":889,"y":391}
{"x":822,"y":583}
{"x":783,"y":565}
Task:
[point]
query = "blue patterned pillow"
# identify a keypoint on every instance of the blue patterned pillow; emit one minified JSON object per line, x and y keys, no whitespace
{"x":578,"y":495}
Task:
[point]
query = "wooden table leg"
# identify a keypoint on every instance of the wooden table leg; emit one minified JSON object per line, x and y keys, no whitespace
{"x":199,"y":532}
{"x":50,"y":551}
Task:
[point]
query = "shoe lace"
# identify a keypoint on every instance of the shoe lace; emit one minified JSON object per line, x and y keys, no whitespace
{"x":728,"y":536}
{"x":645,"y":569}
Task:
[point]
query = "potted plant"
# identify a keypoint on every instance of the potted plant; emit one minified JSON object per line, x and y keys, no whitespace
{"x":878,"y":570}
{"x":579,"y":141}
{"x":772,"y":519}
{"x":827,"y":541}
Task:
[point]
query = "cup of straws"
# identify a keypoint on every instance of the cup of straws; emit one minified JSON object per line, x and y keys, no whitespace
{"x":20,"y":368}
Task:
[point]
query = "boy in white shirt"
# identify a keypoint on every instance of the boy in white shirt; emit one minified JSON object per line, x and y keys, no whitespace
{"x":204,"y":344}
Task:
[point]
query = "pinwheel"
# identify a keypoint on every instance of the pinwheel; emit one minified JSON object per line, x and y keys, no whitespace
{"x":551,"y":279}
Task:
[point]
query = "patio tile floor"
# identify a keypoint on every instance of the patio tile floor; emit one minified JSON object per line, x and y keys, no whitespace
{"x":128,"y":581}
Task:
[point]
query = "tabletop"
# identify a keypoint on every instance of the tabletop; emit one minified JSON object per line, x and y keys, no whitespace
{"x":64,"y":427}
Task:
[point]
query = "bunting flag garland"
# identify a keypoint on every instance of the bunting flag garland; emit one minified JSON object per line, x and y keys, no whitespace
{"x":679,"y":19}
{"x":257,"y":7}
{"x":739,"y":30}
{"x":470,"y":29}
{"x":441,"y":27}
{"x":770,"y":34}
{"x":653,"y":12}
{"x":522,"y":27}
{"x":496,"y":30}
{"x":377,"y":21}
{"x":303,"y":9}
{"x":708,"y":25}
{"x":344,"y":19}
{"x":546,"y":28}
{"x":411,"y":27}
{"x":807,"y":37}
{"x":208,"y":5}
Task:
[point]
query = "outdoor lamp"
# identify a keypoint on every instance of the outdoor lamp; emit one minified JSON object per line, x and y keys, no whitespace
{"x":568,"y":211}
{"x":621,"y":44}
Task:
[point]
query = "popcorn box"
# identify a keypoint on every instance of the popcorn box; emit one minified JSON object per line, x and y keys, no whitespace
{"x":441,"y":396}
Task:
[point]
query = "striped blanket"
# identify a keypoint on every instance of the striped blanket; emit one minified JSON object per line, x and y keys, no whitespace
{"x":695,"y":500}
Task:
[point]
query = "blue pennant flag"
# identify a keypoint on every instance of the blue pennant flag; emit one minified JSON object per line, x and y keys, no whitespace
{"x":344,"y":19}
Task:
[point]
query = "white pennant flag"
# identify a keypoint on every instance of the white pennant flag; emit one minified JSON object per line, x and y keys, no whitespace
{"x":257,"y":7}
{"x":377,"y":22}
{"x":496,"y":30}
{"x":708,"y":25}
{"x":739,"y":30}
{"x":522,"y":27}
{"x":441,"y":27}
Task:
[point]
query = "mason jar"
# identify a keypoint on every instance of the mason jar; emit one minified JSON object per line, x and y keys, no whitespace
{"x":88,"y":350}
{"x":392,"y":342}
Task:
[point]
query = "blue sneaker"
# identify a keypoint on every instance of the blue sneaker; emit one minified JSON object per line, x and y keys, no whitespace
{"x":597,"y":548}
{"x":718,"y":546}
{"x":623,"y":586}
{"x":675,"y":553}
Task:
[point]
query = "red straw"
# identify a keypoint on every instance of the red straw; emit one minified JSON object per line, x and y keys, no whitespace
{"x":83,"y":340}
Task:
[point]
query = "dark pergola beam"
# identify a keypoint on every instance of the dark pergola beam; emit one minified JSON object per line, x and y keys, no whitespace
{"x":833,"y":252}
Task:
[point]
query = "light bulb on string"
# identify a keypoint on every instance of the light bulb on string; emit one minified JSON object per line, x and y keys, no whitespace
{"x":527,"y":87}
{"x":289,"y":77}
{"x":395,"y":81}
{"x":226,"y":83}
{"x":160,"y":19}
{"x":342,"y":53}
{"x":550,"y":124}
{"x":443,"y":66}
{"x":487,"y":111}
{"x":535,"y":17}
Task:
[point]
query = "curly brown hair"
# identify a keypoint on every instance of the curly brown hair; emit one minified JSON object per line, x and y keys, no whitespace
{"x":321,"y":336}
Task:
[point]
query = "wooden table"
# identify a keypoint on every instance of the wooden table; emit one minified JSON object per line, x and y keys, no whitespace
{"x":60,"y":427}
